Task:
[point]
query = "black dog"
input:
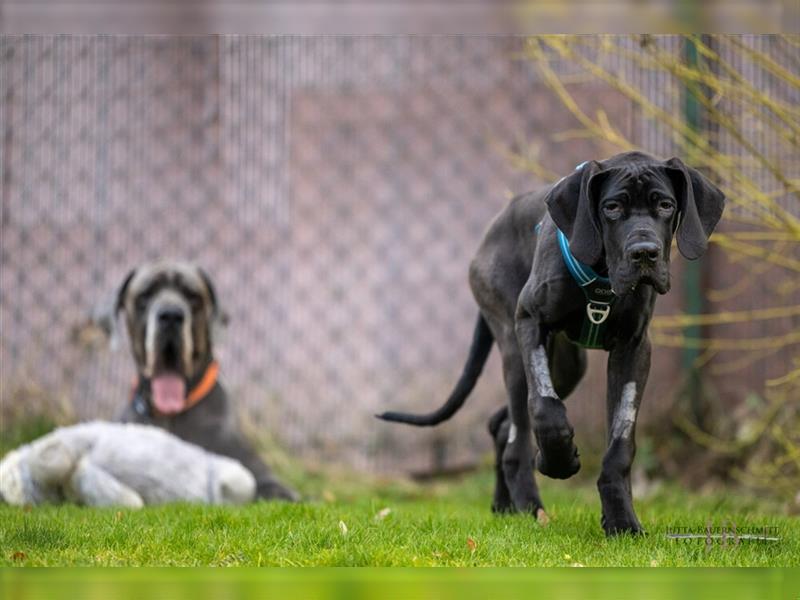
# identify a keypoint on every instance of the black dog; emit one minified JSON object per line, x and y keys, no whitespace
{"x":169,"y":310}
{"x":585,"y":272}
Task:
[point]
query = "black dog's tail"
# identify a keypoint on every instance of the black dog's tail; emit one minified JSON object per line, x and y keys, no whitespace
{"x":478,"y":353}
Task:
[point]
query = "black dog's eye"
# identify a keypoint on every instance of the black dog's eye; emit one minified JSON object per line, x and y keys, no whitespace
{"x":612,"y":209}
{"x":666,"y":206}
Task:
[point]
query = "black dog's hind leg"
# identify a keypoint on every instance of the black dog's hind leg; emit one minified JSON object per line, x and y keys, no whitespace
{"x":499,"y":426}
{"x":567,"y":365}
{"x":628,"y":367}
{"x":558,"y":456}
{"x":518,"y":452}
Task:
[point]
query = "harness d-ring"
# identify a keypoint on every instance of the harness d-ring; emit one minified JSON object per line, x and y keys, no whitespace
{"x":597,"y":314}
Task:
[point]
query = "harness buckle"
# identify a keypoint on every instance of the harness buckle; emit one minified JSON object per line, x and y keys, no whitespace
{"x":597,"y":314}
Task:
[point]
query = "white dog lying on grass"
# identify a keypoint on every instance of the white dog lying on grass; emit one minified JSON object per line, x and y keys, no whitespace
{"x":114,"y":464}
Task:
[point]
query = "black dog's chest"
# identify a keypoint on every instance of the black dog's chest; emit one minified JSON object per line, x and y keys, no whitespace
{"x":628,"y":316}
{"x":573,"y":324}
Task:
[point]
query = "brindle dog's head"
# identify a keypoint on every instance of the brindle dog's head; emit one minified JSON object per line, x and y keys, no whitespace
{"x":621,"y":213}
{"x":170,"y":308}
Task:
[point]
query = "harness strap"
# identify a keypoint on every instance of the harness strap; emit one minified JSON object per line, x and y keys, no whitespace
{"x":598,"y":292}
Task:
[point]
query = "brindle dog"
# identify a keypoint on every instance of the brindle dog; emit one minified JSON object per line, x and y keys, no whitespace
{"x":170,"y":309}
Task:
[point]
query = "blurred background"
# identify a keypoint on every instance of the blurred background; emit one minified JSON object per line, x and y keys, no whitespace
{"x":415,"y":16}
{"x":336,"y":187}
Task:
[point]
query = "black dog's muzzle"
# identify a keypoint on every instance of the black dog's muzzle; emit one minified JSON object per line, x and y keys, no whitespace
{"x":644,"y":261}
{"x":643,"y":249}
{"x":644,"y":255}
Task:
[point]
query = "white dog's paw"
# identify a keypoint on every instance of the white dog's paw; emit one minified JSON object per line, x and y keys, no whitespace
{"x":236,"y":484}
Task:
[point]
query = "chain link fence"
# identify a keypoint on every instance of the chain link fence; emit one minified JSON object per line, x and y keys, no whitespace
{"x":335,"y":189}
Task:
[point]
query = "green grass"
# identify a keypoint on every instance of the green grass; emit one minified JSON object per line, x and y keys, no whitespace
{"x":438,"y":524}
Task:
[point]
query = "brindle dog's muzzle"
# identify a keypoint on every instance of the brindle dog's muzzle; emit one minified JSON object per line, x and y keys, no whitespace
{"x":169,"y":350}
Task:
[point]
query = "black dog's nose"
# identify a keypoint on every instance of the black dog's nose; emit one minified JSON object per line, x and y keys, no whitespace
{"x":644,"y":253}
{"x":170,"y":315}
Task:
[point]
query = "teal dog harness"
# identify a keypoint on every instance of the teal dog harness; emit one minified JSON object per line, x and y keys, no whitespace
{"x":599,"y":297}
{"x":598,"y":292}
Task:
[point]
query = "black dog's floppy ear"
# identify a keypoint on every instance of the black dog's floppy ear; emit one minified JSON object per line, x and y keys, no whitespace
{"x":700,"y":203}
{"x":572,"y":207}
{"x":219,"y":315}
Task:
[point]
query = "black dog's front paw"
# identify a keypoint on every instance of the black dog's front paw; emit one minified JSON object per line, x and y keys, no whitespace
{"x":622,"y":525}
{"x":558,"y":456}
{"x":618,"y":516}
{"x":561,"y":464}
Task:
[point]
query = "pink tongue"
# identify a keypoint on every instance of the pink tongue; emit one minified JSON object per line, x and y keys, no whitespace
{"x":169,"y":393}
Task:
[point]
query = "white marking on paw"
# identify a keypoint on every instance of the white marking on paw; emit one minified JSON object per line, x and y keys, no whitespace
{"x":541,"y":373}
{"x":512,"y":433}
{"x":625,"y":416}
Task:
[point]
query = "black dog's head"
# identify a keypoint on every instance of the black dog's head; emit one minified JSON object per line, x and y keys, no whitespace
{"x":621,"y":213}
{"x":169,"y":310}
